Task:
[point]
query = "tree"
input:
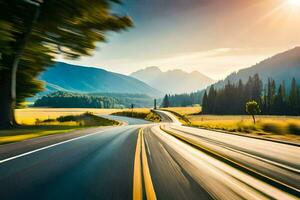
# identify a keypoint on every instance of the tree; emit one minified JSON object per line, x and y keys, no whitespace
{"x":211,"y":100}
{"x":31,"y":34}
{"x":293,"y":98}
{"x":280,"y":106}
{"x":270,"y":95}
{"x":252,"y":108}
{"x":257,"y":89}
{"x":165,"y":102}
{"x":204,"y":103}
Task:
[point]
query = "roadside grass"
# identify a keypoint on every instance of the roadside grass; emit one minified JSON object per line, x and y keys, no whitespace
{"x":50,"y":126}
{"x":184,"y":110}
{"x":277,"y":127}
{"x":146,"y":114}
{"x":28,"y":116}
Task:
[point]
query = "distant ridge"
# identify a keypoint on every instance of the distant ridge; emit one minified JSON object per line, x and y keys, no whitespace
{"x":281,"y":67}
{"x":74,"y":78}
{"x":173,"y":81}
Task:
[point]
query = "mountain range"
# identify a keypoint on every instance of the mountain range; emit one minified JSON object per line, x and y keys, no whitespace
{"x":79,"y":79}
{"x":281,"y":67}
{"x":173,"y":81}
{"x":155,"y":83}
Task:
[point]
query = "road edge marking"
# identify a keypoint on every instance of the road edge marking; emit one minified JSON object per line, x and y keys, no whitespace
{"x":150,"y":193}
{"x":137,"y":174}
{"x":47,"y":147}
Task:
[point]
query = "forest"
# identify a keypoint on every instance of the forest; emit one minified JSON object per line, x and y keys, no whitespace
{"x":73,"y":100}
{"x":272,"y":99}
{"x":182,"y":100}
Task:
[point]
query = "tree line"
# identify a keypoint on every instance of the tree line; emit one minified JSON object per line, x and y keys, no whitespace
{"x":181,"y":100}
{"x":73,"y":100}
{"x":272,"y":99}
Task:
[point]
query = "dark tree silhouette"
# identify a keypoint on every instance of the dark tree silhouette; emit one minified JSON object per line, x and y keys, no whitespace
{"x":32,"y":32}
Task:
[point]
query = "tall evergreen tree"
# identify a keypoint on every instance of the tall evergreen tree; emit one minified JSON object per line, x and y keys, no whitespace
{"x":166,"y":102}
{"x":211,"y":99}
{"x":256,"y":89}
{"x":204,"y":103}
{"x":271,"y":94}
{"x":279,"y":101}
{"x":293,"y":98}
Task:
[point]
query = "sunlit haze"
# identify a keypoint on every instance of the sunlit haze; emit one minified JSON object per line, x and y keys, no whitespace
{"x":211,"y":36}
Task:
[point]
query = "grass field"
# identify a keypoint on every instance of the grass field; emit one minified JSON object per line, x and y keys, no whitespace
{"x":277,"y":127}
{"x":185,"y":110}
{"x":29,"y":117}
{"x":140,"y":113}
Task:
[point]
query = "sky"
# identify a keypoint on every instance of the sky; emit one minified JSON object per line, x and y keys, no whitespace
{"x":214,"y":37}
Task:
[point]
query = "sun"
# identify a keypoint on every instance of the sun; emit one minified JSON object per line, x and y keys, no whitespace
{"x":294,"y":2}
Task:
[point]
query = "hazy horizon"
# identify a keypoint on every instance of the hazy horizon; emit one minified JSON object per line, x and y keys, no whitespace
{"x":195,"y":35}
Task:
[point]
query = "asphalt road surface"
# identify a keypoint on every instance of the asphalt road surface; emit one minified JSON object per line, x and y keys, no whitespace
{"x":149,"y":161}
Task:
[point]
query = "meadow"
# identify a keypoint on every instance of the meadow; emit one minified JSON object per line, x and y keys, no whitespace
{"x":185,"y":110}
{"x":28,"y":116}
{"x":140,"y":113}
{"x":276,"y":127}
{"x":37,"y":122}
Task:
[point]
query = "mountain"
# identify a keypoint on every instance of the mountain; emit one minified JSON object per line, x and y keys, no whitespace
{"x":281,"y":67}
{"x":173,"y":81}
{"x":73,"y":78}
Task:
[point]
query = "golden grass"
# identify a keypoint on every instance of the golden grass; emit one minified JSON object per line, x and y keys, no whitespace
{"x":29,"y":129}
{"x":281,"y":127}
{"x":142,"y":113}
{"x":185,"y":110}
{"x":28,"y":116}
{"x":138,"y":110}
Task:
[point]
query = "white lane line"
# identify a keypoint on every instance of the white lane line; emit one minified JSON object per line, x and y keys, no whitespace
{"x":217,"y":143}
{"x":47,"y":147}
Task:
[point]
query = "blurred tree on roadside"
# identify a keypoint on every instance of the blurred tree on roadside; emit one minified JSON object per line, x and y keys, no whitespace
{"x":32,"y":32}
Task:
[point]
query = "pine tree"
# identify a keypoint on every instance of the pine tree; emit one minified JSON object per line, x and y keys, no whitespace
{"x":240,"y":97}
{"x":278,"y":101}
{"x":211,"y":100}
{"x":293,"y":98}
{"x":204,"y":103}
{"x":165,"y":102}
{"x":256,"y":89}
{"x":271,"y":94}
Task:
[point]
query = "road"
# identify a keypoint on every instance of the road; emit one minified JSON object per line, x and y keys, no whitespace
{"x":149,"y":161}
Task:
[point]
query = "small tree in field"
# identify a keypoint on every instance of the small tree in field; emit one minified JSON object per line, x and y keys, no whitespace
{"x":252,"y":108}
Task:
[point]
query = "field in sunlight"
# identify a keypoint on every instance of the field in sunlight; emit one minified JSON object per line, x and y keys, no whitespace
{"x":273,"y":126}
{"x":34,"y":125}
{"x":29,"y":115}
{"x":184,"y":110}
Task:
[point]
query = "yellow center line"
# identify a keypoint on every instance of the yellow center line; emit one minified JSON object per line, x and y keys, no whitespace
{"x":137,"y":174}
{"x":150,"y":193}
